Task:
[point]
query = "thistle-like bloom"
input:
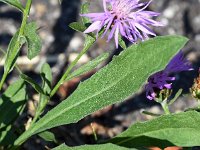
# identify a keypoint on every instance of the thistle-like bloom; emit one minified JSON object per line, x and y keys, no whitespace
{"x":125,"y":17}
{"x":163,"y":79}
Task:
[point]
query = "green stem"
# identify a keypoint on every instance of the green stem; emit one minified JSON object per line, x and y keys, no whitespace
{"x":165,"y":107}
{"x":63,"y":78}
{"x":39,"y":110}
{"x":17,"y":44}
{"x":71,"y":66}
{"x":89,"y":42}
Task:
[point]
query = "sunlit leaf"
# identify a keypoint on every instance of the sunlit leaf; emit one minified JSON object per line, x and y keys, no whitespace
{"x":113,"y":83}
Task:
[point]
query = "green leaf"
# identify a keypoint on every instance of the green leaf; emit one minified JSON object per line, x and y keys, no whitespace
{"x":115,"y":82}
{"x":14,"y":3}
{"x":88,"y":66}
{"x":33,"y":40}
{"x":93,"y":147}
{"x":48,"y":136}
{"x":2,"y":54}
{"x":12,"y":52}
{"x":178,"y":129}
{"x":85,"y":10}
{"x":80,"y":28}
{"x":12,"y":102}
{"x":77,"y":26}
{"x":7,"y":136}
{"x":46,"y":76}
{"x":32,"y":83}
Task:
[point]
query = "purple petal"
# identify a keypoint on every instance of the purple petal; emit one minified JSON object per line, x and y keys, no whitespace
{"x":110,"y":20}
{"x":150,"y":13}
{"x":162,"y":79}
{"x":126,"y":17}
{"x":93,"y":15}
{"x":168,"y":86}
{"x":145,"y":29}
{"x":145,"y":6}
{"x":178,"y":63}
{"x":116,"y":35}
{"x":112,"y":33}
{"x":94,"y":26}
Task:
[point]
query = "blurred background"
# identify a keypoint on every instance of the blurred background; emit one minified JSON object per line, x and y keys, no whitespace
{"x":61,"y":45}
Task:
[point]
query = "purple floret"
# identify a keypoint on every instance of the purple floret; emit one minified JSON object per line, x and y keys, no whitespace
{"x":178,"y":63}
{"x":163,"y":79}
{"x":125,"y":17}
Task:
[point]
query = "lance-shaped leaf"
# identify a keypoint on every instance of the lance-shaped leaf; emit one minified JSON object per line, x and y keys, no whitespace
{"x":48,"y":136}
{"x":178,"y":129}
{"x":113,"y":83}
{"x":33,"y":40}
{"x":93,"y":147}
{"x":12,"y":102}
{"x":7,"y":136}
{"x":14,"y":3}
{"x":13,"y":51}
{"x":80,"y":28}
{"x":32,"y":83}
{"x":46,"y":76}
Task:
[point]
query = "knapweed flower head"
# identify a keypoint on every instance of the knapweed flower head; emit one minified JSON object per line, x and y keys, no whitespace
{"x":163,"y":79}
{"x":126,"y":17}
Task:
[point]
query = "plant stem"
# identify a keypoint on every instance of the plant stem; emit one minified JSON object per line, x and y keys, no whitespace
{"x":88,"y":43}
{"x":63,"y":78}
{"x":39,"y":110}
{"x":165,"y":107}
{"x":71,"y":66}
{"x":17,"y":44}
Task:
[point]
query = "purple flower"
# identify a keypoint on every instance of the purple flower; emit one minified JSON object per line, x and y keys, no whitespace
{"x":178,"y":63}
{"x":163,"y":79}
{"x":125,"y":17}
